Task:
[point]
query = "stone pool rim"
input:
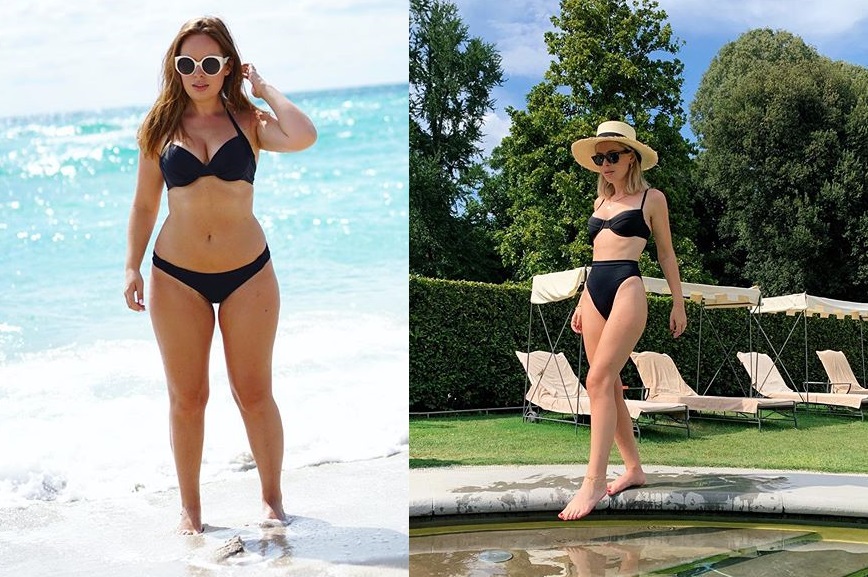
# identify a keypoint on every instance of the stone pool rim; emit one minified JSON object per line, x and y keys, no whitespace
{"x":470,"y":494}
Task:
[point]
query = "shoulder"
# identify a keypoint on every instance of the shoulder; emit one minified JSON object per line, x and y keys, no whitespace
{"x":655,"y":198}
{"x":597,"y":202}
{"x":263,"y":118}
{"x":251,"y":121}
{"x":656,"y":194}
{"x":149,"y":159}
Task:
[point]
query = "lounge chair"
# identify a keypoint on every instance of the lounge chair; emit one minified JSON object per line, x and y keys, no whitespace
{"x":841,"y":377}
{"x":768,"y":382}
{"x":555,"y":387}
{"x":663,"y":383}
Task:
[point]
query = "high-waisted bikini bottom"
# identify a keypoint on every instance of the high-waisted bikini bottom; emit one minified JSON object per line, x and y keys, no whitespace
{"x":214,"y":286}
{"x":605,"y":278}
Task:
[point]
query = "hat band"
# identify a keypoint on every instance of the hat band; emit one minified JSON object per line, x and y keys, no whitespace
{"x":611,"y":134}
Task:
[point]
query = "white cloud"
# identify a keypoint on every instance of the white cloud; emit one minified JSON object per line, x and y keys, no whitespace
{"x":522,"y":48}
{"x":60,"y":55}
{"x":495,"y":127}
{"x":810,"y":20}
{"x":516,"y":27}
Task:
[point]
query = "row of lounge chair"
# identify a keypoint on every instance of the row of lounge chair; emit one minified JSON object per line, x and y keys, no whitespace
{"x":668,"y":400}
{"x":555,"y":388}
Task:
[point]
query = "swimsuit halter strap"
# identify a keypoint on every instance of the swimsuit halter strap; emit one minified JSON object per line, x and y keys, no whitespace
{"x":235,"y":124}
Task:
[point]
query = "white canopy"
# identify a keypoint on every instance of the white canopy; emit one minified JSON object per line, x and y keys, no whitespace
{"x":707,"y":294}
{"x":558,"y":286}
{"x":810,"y":305}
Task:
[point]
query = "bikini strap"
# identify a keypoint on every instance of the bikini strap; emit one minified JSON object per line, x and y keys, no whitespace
{"x":235,"y":124}
{"x":641,"y":206}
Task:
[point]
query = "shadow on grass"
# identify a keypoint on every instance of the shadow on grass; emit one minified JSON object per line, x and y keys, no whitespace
{"x":421,"y":463}
{"x":437,"y":422}
{"x":805,"y":420}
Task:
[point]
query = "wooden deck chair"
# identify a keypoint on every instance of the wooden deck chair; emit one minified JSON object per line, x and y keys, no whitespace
{"x":841,"y":377}
{"x":768,"y":382}
{"x":554,"y":387}
{"x":663,"y":383}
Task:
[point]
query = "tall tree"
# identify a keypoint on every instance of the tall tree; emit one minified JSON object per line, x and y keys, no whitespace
{"x":611,"y":59}
{"x":451,"y":77}
{"x":782,"y":167}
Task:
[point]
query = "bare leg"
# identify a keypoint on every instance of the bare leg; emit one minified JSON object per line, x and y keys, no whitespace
{"x":626,"y":442}
{"x":248,"y":322}
{"x":608,"y":344}
{"x":588,"y":563}
{"x":184,"y":325}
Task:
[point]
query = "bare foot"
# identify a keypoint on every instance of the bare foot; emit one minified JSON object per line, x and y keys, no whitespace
{"x":588,"y":562}
{"x":592,"y":492}
{"x":630,"y":478}
{"x":274,"y":515}
{"x":191,"y":523}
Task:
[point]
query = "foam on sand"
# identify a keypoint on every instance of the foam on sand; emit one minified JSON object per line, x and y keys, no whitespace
{"x":347,"y":519}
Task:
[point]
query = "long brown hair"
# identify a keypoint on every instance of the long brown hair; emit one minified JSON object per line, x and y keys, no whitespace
{"x":163,"y":121}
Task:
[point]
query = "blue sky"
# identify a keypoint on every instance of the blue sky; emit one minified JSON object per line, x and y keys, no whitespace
{"x":838,"y":29}
{"x":63,"y":55}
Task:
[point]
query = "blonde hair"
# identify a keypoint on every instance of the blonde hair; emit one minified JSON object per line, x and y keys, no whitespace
{"x":635,"y":180}
{"x":163,"y":121}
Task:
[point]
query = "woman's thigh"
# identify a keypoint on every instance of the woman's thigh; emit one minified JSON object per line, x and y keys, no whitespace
{"x":248,"y":323}
{"x":183,"y":323}
{"x":622,"y":330}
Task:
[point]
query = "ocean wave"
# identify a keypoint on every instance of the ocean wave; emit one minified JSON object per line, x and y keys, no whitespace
{"x":92,"y":419}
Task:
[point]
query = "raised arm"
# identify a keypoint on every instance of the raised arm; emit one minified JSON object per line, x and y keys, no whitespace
{"x":291,"y":130}
{"x":143,"y":216}
{"x":659,"y":214}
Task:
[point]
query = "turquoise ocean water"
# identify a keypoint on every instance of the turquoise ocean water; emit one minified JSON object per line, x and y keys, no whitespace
{"x":82,"y":396}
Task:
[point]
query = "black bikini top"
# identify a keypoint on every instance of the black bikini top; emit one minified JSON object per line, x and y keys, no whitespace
{"x":234,"y":160}
{"x":626,"y":223}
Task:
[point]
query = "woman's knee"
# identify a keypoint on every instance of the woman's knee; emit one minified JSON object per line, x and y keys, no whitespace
{"x":188,"y":400}
{"x":599,"y":381}
{"x":252,"y":397}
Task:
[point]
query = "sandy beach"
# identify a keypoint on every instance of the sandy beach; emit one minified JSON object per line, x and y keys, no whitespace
{"x":348,"y":519}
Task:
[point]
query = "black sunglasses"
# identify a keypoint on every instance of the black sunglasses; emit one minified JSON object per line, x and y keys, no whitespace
{"x":613,"y":157}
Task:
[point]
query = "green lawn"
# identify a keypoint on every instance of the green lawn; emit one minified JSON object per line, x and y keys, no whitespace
{"x":822,"y":442}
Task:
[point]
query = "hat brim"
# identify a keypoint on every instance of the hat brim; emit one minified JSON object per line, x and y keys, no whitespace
{"x":585,"y":148}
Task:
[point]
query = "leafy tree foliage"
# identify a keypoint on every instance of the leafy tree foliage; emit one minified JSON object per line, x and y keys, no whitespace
{"x":451,"y":77}
{"x":611,"y":59}
{"x":781,"y":169}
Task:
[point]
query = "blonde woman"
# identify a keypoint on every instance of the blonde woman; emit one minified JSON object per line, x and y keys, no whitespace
{"x":201,"y":139}
{"x":613,"y":309}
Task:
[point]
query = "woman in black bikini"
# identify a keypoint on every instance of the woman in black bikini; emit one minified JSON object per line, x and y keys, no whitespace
{"x":201,"y":139}
{"x":611,"y":313}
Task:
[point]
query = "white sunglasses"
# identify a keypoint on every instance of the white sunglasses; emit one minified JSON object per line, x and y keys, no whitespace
{"x":211,"y":65}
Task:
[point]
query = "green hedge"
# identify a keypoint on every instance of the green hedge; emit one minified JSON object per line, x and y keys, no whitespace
{"x":463,"y":338}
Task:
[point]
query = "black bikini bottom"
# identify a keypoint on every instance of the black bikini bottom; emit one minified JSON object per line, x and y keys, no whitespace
{"x":214,"y":286}
{"x":605,"y":278}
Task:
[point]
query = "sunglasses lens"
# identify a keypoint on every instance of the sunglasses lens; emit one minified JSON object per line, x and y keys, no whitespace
{"x":185,"y":65}
{"x":612,"y":157}
{"x":211,"y":65}
{"x":599,"y":158}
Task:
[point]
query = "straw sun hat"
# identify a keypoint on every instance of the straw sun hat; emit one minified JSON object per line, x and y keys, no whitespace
{"x":612,"y":131}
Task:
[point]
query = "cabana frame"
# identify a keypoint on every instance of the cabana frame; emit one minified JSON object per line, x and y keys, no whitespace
{"x":801,"y":306}
{"x":560,"y":286}
{"x":711,"y":297}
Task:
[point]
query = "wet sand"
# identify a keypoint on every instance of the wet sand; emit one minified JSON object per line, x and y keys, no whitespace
{"x":347,"y":519}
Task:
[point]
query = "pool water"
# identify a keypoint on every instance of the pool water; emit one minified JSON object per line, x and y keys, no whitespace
{"x":647,"y":547}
